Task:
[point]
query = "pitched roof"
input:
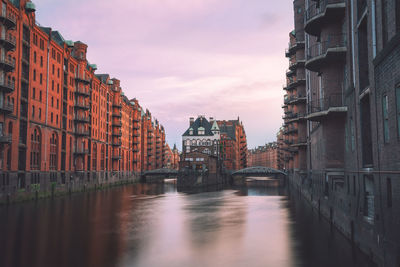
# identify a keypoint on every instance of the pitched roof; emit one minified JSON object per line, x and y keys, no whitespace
{"x":200,"y":122}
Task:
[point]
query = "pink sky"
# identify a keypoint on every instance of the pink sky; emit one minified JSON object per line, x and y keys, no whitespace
{"x":182,"y":58}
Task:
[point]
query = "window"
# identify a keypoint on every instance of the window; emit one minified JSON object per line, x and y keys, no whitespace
{"x":34,"y":75}
{"x":33,"y":92}
{"x":41,"y":61}
{"x":94,"y":157}
{"x":385,"y":114}
{"x":52,"y":69}
{"x":40,"y":113}
{"x":398,"y":110}
{"x":34,"y":57}
{"x":33,"y":111}
{"x":51,"y":117}
{"x":35,"y":149}
{"x":53,"y":152}
{"x":40,"y":95}
{"x":41,"y":78}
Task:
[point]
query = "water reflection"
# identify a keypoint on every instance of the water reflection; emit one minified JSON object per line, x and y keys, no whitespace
{"x":154,"y":225}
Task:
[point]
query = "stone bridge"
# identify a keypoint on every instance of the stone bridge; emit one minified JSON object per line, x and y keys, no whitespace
{"x":270,"y":176}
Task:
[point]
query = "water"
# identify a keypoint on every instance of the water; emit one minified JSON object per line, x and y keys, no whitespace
{"x":154,"y":225}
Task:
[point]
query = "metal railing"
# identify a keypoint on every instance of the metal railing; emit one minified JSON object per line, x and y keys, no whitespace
{"x":322,"y":104}
{"x":332,"y":41}
{"x":318,"y":8}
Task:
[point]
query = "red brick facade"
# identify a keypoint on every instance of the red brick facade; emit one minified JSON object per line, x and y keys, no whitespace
{"x":60,"y":119}
{"x":266,"y":156}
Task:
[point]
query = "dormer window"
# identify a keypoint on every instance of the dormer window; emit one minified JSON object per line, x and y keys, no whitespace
{"x":191,"y":131}
{"x":201,"y":131}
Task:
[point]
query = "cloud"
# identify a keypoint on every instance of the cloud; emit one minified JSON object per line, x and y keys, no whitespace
{"x":220,"y":58}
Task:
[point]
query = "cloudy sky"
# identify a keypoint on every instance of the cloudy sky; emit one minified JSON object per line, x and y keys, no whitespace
{"x":183,"y":58}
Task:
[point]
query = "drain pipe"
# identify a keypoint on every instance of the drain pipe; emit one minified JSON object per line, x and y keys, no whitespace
{"x":373,"y":22}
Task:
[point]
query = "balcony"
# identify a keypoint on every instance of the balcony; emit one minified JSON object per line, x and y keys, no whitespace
{"x":296,"y":64}
{"x":116,"y":143}
{"x":332,"y":50}
{"x":322,"y":108}
{"x":294,"y":46}
{"x":7,"y":86}
{"x":290,"y":73}
{"x":289,"y":131}
{"x":117,"y":105}
{"x":5,"y":139}
{"x":80,"y":151}
{"x":8,"y":42}
{"x":293,"y":82}
{"x":7,"y":64}
{"x":321,"y":13}
{"x":82,"y":91}
{"x":81,"y":118}
{"x":117,"y":115}
{"x":117,"y":124}
{"x":82,"y":79}
{"x":80,"y":132}
{"x":117,"y":134}
{"x":82,"y":105}
{"x":7,"y":108}
{"x":301,"y":142}
{"x":8,"y":20}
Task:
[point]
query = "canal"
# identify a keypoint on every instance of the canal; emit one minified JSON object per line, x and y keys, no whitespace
{"x":154,"y":225}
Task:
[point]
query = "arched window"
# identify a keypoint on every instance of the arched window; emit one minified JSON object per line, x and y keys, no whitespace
{"x":35,"y":149}
{"x":94,"y":156}
{"x":53,"y":151}
{"x":102,"y":157}
{"x":9,"y":152}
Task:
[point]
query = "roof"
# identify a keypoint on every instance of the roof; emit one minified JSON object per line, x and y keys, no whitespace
{"x":57,"y":37}
{"x":200,"y":122}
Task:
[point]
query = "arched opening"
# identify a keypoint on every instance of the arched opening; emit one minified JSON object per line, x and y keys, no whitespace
{"x":36,"y":145}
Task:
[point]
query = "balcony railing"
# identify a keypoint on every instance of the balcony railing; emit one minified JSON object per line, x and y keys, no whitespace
{"x":318,"y":8}
{"x":5,"y":139}
{"x":82,"y":105}
{"x":8,"y":42}
{"x":7,"y":64}
{"x":321,"y":48}
{"x":333,"y":101}
{"x":8,"y":20}
{"x":82,"y":118}
{"x":82,"y":79}
{"x":7,"y":86}
{"x":7,"y":107}
{"x":82,"y":91}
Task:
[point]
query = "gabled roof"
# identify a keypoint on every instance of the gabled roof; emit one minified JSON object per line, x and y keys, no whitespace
{"x":57,"y":37}
{"x":200,"y":122}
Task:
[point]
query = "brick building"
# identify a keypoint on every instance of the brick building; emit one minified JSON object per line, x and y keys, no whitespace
{"x":266,"y":156}
{"x":60,"y":122}
{"x":234,"y":144}
{"x":341,"y":136}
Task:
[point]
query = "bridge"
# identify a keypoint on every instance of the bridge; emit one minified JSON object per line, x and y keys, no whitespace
{"x":270,"y":176}
{"x":159,"y":175}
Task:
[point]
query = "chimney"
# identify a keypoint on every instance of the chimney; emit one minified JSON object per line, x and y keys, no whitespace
{"x":191,"y":121}
{"x":211,"y":119}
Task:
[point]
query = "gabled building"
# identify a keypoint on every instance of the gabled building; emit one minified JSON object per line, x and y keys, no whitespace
{"x":233,"y":144}
{"x":201,"y":145}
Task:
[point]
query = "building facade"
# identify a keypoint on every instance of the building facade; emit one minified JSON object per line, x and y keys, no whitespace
{"x":233,"y":144}
{"x":341,"y":135}
{"x":60,"y":122}
{"x":266,"y":156}
{"x":201,"y":145}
